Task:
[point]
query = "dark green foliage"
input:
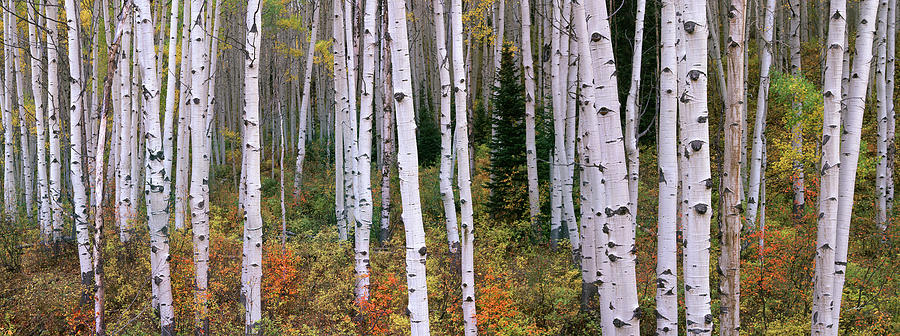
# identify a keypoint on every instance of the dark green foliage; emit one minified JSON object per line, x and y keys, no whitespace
{"x":508,"y":185}
{"x":428,"y":139}
{"x":481,"y":120}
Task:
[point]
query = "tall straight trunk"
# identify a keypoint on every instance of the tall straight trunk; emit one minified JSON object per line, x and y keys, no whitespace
{"x":210,"y":73}
{"x":730,"y":262}
{"x":570,"y":56}
{"x":156,"y":172}
{"x":9,"y":172}
{"x":408,"y":162}
{"x":697,"y":179}
{"x":199,"y":189}
{"x":24,"y":147}
{"x":53,"y":99}
{"x":182,"y":165}
{"x":171,"y":83}
{"x":351,"y":199}
{"x":530,"y":147}
{"x":619,"y":222}
{"x":881,"y":144}
{"x":559,"y":69}
{"x":253,"y":216}
{"x":37,"y":75}
{"x":557,"y":83}
{"x":446,"y":171}
{"x":463,"y":170}
{"x":797,"y":180}
{"x":79,"y":192}
{"x":124,"y":179}
{"x":756,"y":161}
{"x":632,"y":120}
{"x":829,"y":181}
{"x":889,"y":100}
{"x":304,"y":103}
{"x":850,"y":138}
{"x":593,"y":197}
{"x":364,"y":210}
{"x":387,"y":137}
{"x":341,"y":113}
{"x":667,"y":152}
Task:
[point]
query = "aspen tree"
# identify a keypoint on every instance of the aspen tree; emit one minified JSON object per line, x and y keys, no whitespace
{"x":632,"y":120}
{"x":37,"y":74}
{"x":79,"y":192}
{"x":829,"y":180}
{"x":341,"y":112}
{"x":463,"y":175}
{"x":619,"y":222}
{"x":171,"y":85}
{"x":199,"y":189}
{"x":9,"y":173}
{"x":304,"y":103}
{"x":124,"y":180}
{"x":756,"y":162}
{"x":850,"y":139}
{"x":387,"y":136}
{"x":569,"y":54}
{"x":156,"y":172}
{"x":446,"y":169}
{"x":667,"y":251}
{"x":798,"y":184}
{"x":534,"y":202}
{"x":408,"y":162}
{"x":696,"y":175}
{"x":24,"y":147}
{"x":252,"y":285}
{"x":881,"y":144}
{"x":364,"y":210}
{"x":51,"y":13}
{"x":889,"y":100}
{"x":183,"y":140}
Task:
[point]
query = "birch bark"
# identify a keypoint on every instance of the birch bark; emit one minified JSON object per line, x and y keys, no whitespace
{"x":253,"y":216}
{"x":881,"y":144}
{"x":759,"y":127}
{"x":304,"y":103}
{"x":632,"y":120}
{"x":37,"y":74}
{"x":530,"y":147}
{"x":364,"y":187}
{"x":183,"y":141}
{"x":446,"y":169}
{"x":667,"y":150}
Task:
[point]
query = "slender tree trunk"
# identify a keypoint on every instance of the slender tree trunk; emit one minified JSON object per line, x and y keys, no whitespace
{"x":697,"y":181}
{"x":730,"y":262}
{"x":341,"y":112}
{"x":667,"y":149}
{"x":530,"y":147}
{"x":253,"y":216}
{"x":27,"y":177}
{"x":446,"y":169}
{"x":171,"y":83}
{"x":889,"y":100}
{"x":408,"y":161}
{"x":632,"y":120}
{"x":124,"y":180}
{"x":829,"y":181}
{"x":199,"y":188}
{"x":881,"y":144}
{"x":619,"y":222}
{"x":756,"y":161}
{"x":570,"y":56}
{"x":387,"y":137}
{"x":53,"y":109}
{"x":797,"y":180}
{"x":9,"y":173}
{"x":37,"y":75}
{"x":304,"y":103}
{"x":183,"y":141}
{"x":463,"y":175}
{"x":364,"y":215}
{"x":79,"y":192}
{"x":850,"y":138}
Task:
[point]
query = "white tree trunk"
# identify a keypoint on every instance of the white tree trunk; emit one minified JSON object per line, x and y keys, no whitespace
{"x":408,"y":161}
{"x":9,"y":173}
{"x":253,"y":216}
{"x":171,"y":86}
{"x":697,"y":181}
{"x":156,"y":174}
{"x":28,"y":178}
{"x":76,"y":115}
{"x":463,"y":172}
{"x":619,"y":221}
{"x":364,"y":187}
{"x":570,"y":56}
{"x":387,"y":136}
{"x":632,"y":113}
{"x":304,"y":103}
{"x":534,"y":202}
{"x":756,"y":161}
{"x":829,"y":182}
{"x":667,"y":149}
{"x":341,"y":112}
{"x":199,"y":188}
{"x":889,"y":100}
{"x":37,"y":75}
{"x":53,"y":109}
{"x":881,"y":144}
{"x":446,"y":171}
{"x":124,"y":180}
{"x":182,"y":165}
{"x":850,"y":138}
{"x":797,"y":180}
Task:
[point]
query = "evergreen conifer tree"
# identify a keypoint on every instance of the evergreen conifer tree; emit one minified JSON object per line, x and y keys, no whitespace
{"x":508,"y":189}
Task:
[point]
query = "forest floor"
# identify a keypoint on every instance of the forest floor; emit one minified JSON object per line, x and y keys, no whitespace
{"x":524,"y":287}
